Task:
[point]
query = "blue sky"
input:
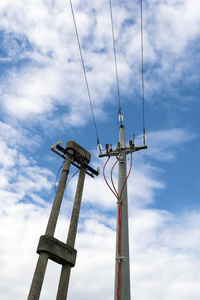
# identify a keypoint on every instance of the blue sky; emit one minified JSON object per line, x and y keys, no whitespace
{"x":43,"y":98}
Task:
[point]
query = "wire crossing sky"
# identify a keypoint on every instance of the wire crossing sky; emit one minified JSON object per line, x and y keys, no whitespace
{"x":84,"y":71}
{"x":43,"y":98}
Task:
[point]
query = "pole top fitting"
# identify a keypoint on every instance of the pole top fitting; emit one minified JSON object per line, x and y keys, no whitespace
{"x":79,"y":153}
{"x":120,"y":118}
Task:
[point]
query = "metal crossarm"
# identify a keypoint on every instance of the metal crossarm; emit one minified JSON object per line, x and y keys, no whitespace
{"x":78,"y":155}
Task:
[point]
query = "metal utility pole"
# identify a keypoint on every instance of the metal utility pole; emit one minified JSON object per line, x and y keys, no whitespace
{"x":122,"y":265}
{"x":49,"y":247}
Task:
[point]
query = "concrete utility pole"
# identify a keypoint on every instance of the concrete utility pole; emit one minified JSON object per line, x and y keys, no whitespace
{"x":122,"y":266}
{"x":122,"y":262}
{"x":49,"y":247}
{"x":66,"y":269}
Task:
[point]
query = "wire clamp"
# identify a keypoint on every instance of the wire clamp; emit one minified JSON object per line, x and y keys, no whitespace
{"x":121,"y":259}
{"x":119,"y":202}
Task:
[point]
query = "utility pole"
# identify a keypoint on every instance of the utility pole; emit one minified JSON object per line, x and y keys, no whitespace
{"x":49,"y":247}
{"x":122,"y":265}
{"x":66,"y":269}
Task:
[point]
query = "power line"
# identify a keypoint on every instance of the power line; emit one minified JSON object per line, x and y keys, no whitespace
{"x":84,"y":71}
{"x":115,"y":57}
{"x":142,"y":55}
{"x":58,"y":174}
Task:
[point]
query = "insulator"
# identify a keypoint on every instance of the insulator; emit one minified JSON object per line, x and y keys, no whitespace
{"x":99,"y":147}
{"x":120,"y":118}
{"x":144,"y":138}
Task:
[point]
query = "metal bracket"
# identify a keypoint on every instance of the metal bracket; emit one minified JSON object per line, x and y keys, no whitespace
{"x":126,"y":150}
{"x":121,"y":259}
{"x":119,"y":201}
{"x":78,"y":155}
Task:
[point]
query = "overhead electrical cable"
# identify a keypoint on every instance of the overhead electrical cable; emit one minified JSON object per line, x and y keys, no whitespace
{"x":113,"y":191}
{"x":84,"y":71}
{"x":115,"y":57}
{"x":58,"y":174}
{"x":142,"y":55}
{"x":72,"y":176}
{"x":112,"y":176}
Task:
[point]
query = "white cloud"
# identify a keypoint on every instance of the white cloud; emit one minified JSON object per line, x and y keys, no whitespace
{"x":14,"y":137}
{"x":156,"y":262}
{"x":174,"y":19}
{"x":45,"y":34}
{"x":7,"y":156}
{"x":163,"y":246}
{"x":164,"y":144}
{"x":20,"y":177}
{"x":45,"y":86}
{"x":164,"y":265}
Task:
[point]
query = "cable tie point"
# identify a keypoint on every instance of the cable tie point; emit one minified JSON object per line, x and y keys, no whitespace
{"x":121,"y":258}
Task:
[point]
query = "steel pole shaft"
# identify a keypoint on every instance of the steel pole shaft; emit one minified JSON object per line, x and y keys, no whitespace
{"x":38,"y":277}
{"x":124,"y":278}
{"x":66,"y":269}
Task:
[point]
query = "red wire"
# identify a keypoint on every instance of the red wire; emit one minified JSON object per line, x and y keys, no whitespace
{"x":116,"y":195}
{"x":126,"y":178}
{"x":119,"y":230}
{"x":119,"y":215}
{"x":112,"y":178}
{"x":119,"y":248}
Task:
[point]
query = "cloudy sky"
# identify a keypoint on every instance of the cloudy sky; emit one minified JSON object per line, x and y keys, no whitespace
{"x":43,"y":98}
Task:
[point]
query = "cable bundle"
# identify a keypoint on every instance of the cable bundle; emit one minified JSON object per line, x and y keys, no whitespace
{"x":119,"y":202}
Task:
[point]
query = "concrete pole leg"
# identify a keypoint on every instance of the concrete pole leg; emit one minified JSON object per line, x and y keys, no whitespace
{"x":64,"y":283}
{"x":39,"y":274}
{"x":66,"y":269}
{"x":38,"y":278}
{"x":51,"y":226}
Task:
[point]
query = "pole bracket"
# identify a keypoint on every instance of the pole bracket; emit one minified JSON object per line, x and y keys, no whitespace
{"x":125,"y":150}
{"x":119,"y":202}
{"x":78,"y":156}
{"x":121,"y":259}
